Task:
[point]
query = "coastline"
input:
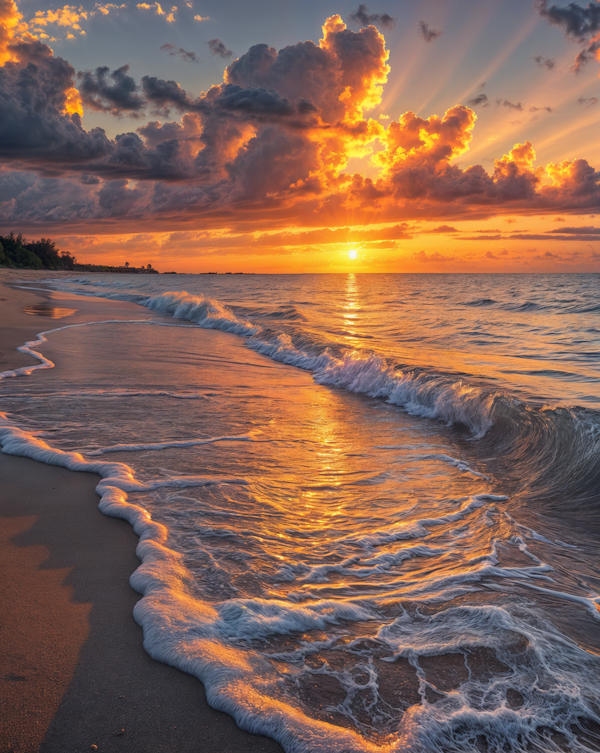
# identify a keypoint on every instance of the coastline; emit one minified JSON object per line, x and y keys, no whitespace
{"x":73,"y":671}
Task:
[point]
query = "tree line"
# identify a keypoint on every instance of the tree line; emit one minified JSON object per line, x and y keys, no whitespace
{"x":15,"y":251}
{"x":18,"y":253}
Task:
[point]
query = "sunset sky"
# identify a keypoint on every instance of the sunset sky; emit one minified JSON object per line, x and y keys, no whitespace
{"x":273,"y":136}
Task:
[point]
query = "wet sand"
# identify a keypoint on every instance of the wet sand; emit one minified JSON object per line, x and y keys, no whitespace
{"x":73,"y":672}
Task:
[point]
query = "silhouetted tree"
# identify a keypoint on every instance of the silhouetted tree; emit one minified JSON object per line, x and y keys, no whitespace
{"x":67,"y":261}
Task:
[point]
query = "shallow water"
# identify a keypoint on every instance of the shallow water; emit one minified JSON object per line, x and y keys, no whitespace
{"x":368,"y":504}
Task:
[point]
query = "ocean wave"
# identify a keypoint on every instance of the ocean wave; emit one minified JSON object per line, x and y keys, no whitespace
{"x":481,"y":302}
{"x":552,"y":450}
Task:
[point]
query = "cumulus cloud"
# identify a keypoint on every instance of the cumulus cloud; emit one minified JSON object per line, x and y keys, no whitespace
{"x":218,"y":48}
{"x":10,"y":22}
{"x":174,"y":51}
{"x":428,"y":33}
{"x":110,"y":91}
{"x":267,"y":148}
{"x":364,"y":18}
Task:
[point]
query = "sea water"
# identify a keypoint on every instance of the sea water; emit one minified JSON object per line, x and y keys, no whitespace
{"x":368,"y":505}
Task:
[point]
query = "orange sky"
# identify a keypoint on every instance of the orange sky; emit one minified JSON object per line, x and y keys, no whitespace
{"x":291,"y":163}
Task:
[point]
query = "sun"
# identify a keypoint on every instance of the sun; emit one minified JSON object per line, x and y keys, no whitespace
{"x":352,"y":254}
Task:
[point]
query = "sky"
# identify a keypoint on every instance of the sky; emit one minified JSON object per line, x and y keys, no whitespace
{"x":312,"y":136}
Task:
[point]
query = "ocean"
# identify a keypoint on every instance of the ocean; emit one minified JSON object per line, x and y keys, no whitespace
{"x":368,"y":505}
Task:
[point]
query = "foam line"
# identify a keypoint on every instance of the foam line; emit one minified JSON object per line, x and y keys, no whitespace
{"x":46,"y":363}
{"x":167,"y":445}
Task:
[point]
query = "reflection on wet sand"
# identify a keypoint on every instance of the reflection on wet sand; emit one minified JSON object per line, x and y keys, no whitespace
{"x":45,"y":309}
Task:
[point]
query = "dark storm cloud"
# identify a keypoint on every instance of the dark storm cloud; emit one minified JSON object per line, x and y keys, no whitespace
{"x":364,"y":18}
{"x":479,"y":100}
{"x":259,"y":102}
{"x":428,"y":33}
{"x":576,"y":21}
{"x":587,"y":101}
{"x":115,"y":198}
{"x":35,"y":130}
{"x":110,"y":91}
{"x":32,"y":126}
{"x":163,"y":95}
{"x":511,"y":105}
{"x":542,"y":62}
{"x":174,"y":51}
{"x":14,"y":183}
{"x":219,"y":49}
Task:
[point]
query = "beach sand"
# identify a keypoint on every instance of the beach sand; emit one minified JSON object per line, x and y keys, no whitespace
{"x":73,"y":672}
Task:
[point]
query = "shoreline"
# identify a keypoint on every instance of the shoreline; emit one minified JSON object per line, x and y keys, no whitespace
{"x":73,"y":669}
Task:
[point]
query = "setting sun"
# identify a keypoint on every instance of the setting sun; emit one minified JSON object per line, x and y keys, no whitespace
{"x":352,"y":254}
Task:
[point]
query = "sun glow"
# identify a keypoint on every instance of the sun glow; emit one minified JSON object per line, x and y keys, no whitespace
{"x":352,"y":254}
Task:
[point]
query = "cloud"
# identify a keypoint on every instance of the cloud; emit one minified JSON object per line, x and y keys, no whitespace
{"x":69,"y":16}
{"x":587,"y":101}
{"x":542,"y":62}
{"x":479,"y":100}
{"x":435,"y":256}
{"x":428,"y":33}
{"x":110,"y":91}
{"x":10,"y":22}
{"x":104,"y":9}
{"x":442,"y":229}
{"x":364,"y":18}
{"x":219,"y":49}
{"x":153,"y":6}
{"x":584,"y":57}
{"x":511,"y":105}
{"x":200,"y":18}
{"x":533,"y":108}
{"x":586,"y":230}
{"x":174,"y":51}
{"x":269,"y":148}
{"x":578,"y":23}
{"x":540,"y":237}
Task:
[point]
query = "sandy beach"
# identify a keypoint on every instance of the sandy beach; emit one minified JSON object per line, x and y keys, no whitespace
{"x":73,"y":673}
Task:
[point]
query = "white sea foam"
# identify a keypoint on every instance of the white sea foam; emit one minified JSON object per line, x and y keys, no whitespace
{"x":168,"y":445}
